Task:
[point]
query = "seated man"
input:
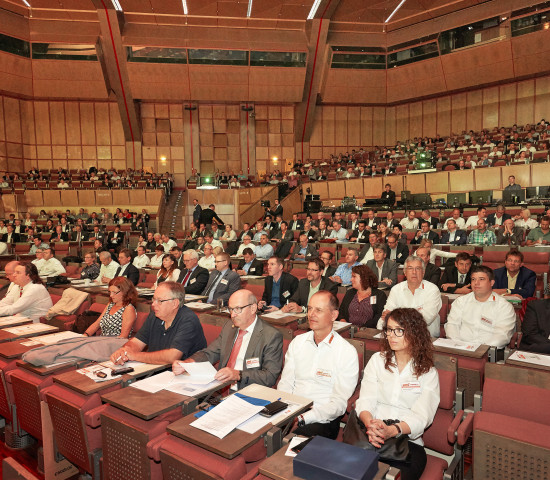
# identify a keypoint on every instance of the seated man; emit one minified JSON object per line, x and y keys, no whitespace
{"x":396,"y":251}
{"x":509,"y":234}
{"x":246,"y":243}
{"x":26,"y":294}
{"x":482,"y":316}
{"x":193,"y":277}
{"x":279,"y":286}
{"x":417,"y":293}
{"x":309,"y":286}
{"x":367,"y":253}
{"x":453,"y":235}
{"x":431,"y":273}
{"x":222,"y":282}
{"x":482,"y":236}
{"x":338,"y":233}
{"x":303,"y":250}
{"x":171,"y":331}
{"x":541,"y":234}
{"x":264,"y":250}
{"x":499,"y":217}
{"x":425,"y":233}
{"x":248,"y":350}
{"x":536,"y":327}
{"x":459,"y":221}
{"x":321,"y":365}
{"x":108,"y":267}
{"x":360,"y":234}
{"x":126,"y":268}
{"x":384,"y":269}
{"x":50,"y":266}
{"x":514,"y":279}
{"x":328,"y":270}
{"x":343,"y":272}
{"x":141,"y":260}
{"x":457,"y":279}
{"x":249,"y":265}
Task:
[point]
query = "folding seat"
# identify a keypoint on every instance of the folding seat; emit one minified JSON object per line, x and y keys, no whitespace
{"x":149,"y":281}
{"x":66,"y":322}
{"x":494,"y":258}
{"x":211,"y":332}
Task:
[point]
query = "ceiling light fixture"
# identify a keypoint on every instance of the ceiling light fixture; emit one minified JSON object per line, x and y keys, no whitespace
{"x":313,"y":10}
{"x":185,"y":10}
{"x":27,"y":3}
{"x":396,"y":8}
{"x":117,"y":6}
{"x":249,"y":11}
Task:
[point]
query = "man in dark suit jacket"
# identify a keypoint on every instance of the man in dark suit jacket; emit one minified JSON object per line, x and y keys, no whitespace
{"x":253,"y":265}
{"x":526,"y":279}
{"x":536,"y":327}
{"x":307,"y":249}
{"x":277,"y":209}
{"x":10,"y":236}
{"x":327,"y":257}
{"x":97,"y":234}
{"x":296,"y":224}
{"x":77,"y":235}
{"x":389,"y":195}
{"x":197,"y":210}
{"x":208,"y":214}
{"x":388,"y":275}
{"x":459,"y":238}
{"x":509,"y":234}
{"x":396,"y":250}
{"x":245,"y":231}
{"x":425,"y":232}
{"x":127,"y":269}
{"x":372,"y":221}
{"x":457,"y":278}
{"x":286,"y":283}
{"x":360,"y":234}
{"x":501,"y":216}
{"x":115,"y":239}
{"x":222,"y":282}
{"x":194,"y":278}
{"x":426,"y":216}
{"x":314,"y":280}
{"x":58,"y":235}
{"x":431,"y":273}
{"x":263,"y":360}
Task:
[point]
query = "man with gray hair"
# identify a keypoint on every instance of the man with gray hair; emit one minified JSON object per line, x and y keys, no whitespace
{"x":108,"y":267}
{"x":193,"y":277}
{"x":171,"y":332}
{"x":50,"y":265}
{"x":415,"y":293}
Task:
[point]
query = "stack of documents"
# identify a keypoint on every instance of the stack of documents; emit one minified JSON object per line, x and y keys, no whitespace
{"x":457,"y":344}
{"x":529,"y":357}
{"x":199,"y":305}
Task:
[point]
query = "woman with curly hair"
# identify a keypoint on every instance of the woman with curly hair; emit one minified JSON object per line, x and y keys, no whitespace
{"x":168,"y":271}
{"x":363,"y":303}
{"x":401,"y":383}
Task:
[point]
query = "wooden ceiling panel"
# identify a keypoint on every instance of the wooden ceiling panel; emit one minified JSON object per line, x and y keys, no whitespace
{"x":266,"y":9}
{"x":274,"y":93}
{"x":167,"y":7}
{"x":136,"y":6}
{"x":202,"y":8}
{"x":232,"y":9}
{"x":291,"y":12}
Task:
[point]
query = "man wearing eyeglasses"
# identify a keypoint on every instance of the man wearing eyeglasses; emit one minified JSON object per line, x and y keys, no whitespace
{"x":415,"y":292}
{"x":248,"y":350}
{"x":309,"y":286}
{"x":222,"y":282}
{"x":193,"y":277}
{"x":171,"y":331}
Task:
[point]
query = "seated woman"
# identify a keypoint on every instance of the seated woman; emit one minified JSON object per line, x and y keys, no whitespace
{"x":120,"y":314}
{"x":156,"y":260}
{"x":363,"y":303}
{"x":400,"y":382}
{"x":169,"y":271}
{"x":383,"y":231}
{"x":91,"y":269}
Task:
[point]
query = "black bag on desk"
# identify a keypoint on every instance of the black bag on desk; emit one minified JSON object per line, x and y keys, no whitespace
{"x":84,"y":320}
{"x":392,"y":449}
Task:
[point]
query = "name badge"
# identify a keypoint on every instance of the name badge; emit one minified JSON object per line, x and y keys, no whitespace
{"x":308,"y":255}
{"x":487,"y":321}
{"x":419,"y":309}
{"x":411,"y":387}
{"x":224,"y":281}
{"x":253,"y":363}
{"x":400,"y":255}
{"x":250,"y":270}
{"x":193,"y":280}
{"x":286,"y":294}
{"x":322,"y":374}
{"x":373,"y":300}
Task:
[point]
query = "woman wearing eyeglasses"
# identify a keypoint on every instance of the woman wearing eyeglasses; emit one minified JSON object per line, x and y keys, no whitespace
{"x":168,"y":272}
{"x":119,"y":316}
{"x":401,"y":383}
{"x":364,"y":302}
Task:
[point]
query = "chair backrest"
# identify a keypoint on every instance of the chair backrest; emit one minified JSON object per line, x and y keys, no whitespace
{"x":140,"y":320}
{"x":211,"y":332}
{"x":257,"y":290}
{"x":55,"y":298}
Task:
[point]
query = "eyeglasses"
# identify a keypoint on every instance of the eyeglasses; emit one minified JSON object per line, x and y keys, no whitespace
{"x":112,"y":292}
{"x":238,"y":310}
{"x":221,"y":261}
{"x":158,"y":300}
{"x":312,"y":269}
{"x":398,"y":332}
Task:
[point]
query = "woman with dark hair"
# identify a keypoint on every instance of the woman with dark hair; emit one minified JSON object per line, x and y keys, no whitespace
{"x":119,"y":316}
{"x":401,"y":383}
{"x":363,"y":303}
{"x":158,"y":257}
{"x":383,"y":231}
{"x":49,"y":227}
{"x":169,"y":271}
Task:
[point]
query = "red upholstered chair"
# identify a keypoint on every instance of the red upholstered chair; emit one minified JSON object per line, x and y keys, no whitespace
{"x":257,"y":290}
{"x":494,"y":258}
{"x":66,"y":322}
{"x":299,"y":272}
{"x":211,"y":332}
{"x":150,"y":279}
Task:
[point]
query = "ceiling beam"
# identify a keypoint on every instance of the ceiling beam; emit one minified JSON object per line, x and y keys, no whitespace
{"x":112,"y":55}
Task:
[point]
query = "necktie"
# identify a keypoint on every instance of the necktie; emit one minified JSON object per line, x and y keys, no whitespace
{"x":209,"y":289}
{"x":236,"y":348}
{"x":186,"y":278}
{"x":461,"y":279}
{"x":20,"y":291}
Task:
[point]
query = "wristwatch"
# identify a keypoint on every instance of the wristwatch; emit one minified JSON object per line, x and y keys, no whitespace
{"x":508,"y":291}
{"x":399,"y":432}
{"x":301,"y":421}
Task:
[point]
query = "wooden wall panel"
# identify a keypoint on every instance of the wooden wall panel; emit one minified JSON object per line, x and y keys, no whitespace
{"x":367,"y":126}
{"x":417,"y":121}
{"x":458,"y":121}
{"x":103,"y":197}
{"x":444,"y":115}
{"x":86,"y":197}
{"x":52,"y":197}
{"x":317,"y":132}
{"x":337,"y":190}
{"x":474,"y":102}
{"x":120,"y":197}
{"x":328,"y":125}
{"x":341,"y":126}
{"x":354,"y":126}
{"x":461,"y":181}
{"x":320,"y":188}
{"x":354,"y":187}
{"x":70,"y":197}
{"x":34,"y":198}
{"x":487,"y":179}
{"x":490,"y":107}
{"x":507,"y":104}
{"x":58,"y":122}
{"x":525,"y":102}
{"x":12,"y":114}
{"x":390,"y":126}
{"x":378,"y":128}
{"x":137,"y":197}
{"x":437,"y":182}
{"x":402,"y":122}
{"x":416,"y":183}
{"x":522,"y":174}
{"x":540,"y":174}
{"x":542,"y":100}
{"x":372,"y":187}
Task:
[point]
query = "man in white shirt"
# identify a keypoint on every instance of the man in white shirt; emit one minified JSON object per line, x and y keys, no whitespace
{"x":28,"y":297}
{"x":9,"y":270}
{"x":322,"y":366}
{"x":209,"y":259}
{"x":264,"y":250}
{"x":50,"y":265}
{"x":141,"y":260}
{"x":108,"y":267}
{"x":338,"y":232}
{"x":482,"y":316}
{"x":460,"y":223}
{"x":410,"y":222}
{"x":415,"y":293}
{"x":168,"y":243}
{"x":525,"y":221}
{"x":472,"y":221}
{"x":208,"y":238}
{"x":247,"y":243}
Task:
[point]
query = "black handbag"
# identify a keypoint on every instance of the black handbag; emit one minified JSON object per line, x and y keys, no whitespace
{"x":396,"y":449}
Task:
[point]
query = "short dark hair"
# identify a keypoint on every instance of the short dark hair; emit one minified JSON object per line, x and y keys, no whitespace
{"x":32,"y":272}
{"x":366,"y":275}
{"x":248,"y":251}
{"x":127,"y":252}
{"x":514,"y":252}
{"x":463,"y":256}
{"x":279,"y":260}
{"x":330,"y":254}
{"x":425,"y":221}
{"x":320,"y":264}
{"x":483,"y":269}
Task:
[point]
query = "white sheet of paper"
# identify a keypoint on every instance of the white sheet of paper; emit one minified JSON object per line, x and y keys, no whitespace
{"x":192,"y":389}
{"x":154,"y":384}
{"x":199,"y":372}
{"x":14,"y":319}
{"x":337,"y":325}
{"x":56,"y":337}
{"x":278,"y":314}
{"x":24,"y":329}
{"x":293,"y":442}
{"x":457,"y":344}
{"x":529,"y":357}
{"x":191,"y":297}
{"x":258,"y":421}
{"x":199,"y":305}
{"x":378,"y":335}
{"x":452,"y":296}
{"x":223,"y":419}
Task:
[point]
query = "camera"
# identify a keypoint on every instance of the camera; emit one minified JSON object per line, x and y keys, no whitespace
{"x":265,"y":203}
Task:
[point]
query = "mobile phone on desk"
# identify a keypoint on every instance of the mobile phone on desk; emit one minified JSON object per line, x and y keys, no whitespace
{"x":298,"y":448}
{"x":121,"y":370}
{"x":273,"y":408}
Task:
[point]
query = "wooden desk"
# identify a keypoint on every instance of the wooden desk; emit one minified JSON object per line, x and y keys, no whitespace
{"x":14,"y":321}
{"x":478,"y":353}
{"x":14,"y":349}
{"x":279,"y":467}
{"x":367,"y":334}
{"x":26,"y":331}
{"x":281,"y":322}
{"x":46,"y":369}
{"x":537,"y":366}
{"x":82,"y":384}
{"x":237,"y":441}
